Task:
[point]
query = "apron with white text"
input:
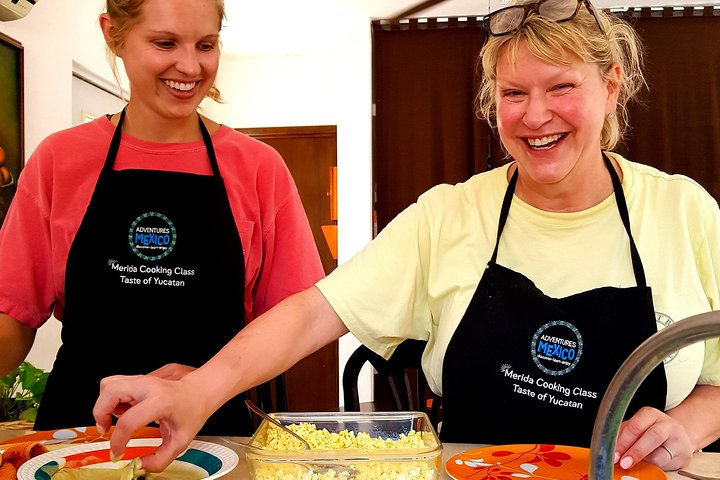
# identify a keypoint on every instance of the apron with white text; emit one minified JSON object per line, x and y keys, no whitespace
{"x":523,"y":367}
{"x":155,"y":275}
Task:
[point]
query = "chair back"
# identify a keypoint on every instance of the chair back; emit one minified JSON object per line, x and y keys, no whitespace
{"x":270,"y":396}
{"x":402,"y":375}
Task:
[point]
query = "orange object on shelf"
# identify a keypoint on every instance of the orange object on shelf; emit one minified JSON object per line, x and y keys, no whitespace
{"x":330,"y":232}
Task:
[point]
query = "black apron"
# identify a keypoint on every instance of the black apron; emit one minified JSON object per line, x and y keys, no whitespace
{"x":523,"y":367}
{"x":155,"y":275}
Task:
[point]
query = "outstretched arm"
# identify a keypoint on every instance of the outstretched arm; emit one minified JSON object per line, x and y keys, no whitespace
{"x":293,"y":329}
{"x":669,"y":439}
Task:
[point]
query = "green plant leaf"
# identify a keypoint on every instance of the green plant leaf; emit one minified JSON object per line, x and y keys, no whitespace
{"x":21,"y":391}
{"x":39,"y":387}
{"x":29,"y":375}
{"x":28,"y":415}
{"x":10,"y":379}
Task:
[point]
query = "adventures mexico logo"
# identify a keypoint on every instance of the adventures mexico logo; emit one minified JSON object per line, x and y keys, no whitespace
{"x":557,"y":347}
{"x":152,"y":236}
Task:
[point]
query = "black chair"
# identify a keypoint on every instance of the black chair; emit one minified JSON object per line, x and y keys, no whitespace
{"x":270,"y":396}
{"x":402,"y":375}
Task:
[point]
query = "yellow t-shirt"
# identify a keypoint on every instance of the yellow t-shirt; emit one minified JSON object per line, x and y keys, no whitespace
{"x":416,"y":279}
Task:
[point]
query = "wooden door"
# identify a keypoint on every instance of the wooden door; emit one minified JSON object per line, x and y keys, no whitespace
{"x":310,"y":154}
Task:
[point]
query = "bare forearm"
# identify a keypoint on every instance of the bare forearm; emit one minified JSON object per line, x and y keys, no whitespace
{"x":290,"y":331}
{"x":275,"y":341}
{"x":699,"y":414}
{"x":15,"y":342}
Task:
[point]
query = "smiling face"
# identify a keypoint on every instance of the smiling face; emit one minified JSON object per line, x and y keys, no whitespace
{"x":550,"y":118}
{"x":171,"y":57}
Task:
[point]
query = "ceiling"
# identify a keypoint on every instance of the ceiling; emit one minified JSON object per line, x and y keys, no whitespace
{"x":446,"y":8}
{"x":281,"y":26}
{"x":290,"y":27}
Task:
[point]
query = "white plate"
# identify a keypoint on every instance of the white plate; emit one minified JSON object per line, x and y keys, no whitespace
{"x":213,"y":459}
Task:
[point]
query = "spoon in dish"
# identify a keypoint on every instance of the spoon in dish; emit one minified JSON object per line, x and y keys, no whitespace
{"x":332,"y":470}
{"x":255,"y":409}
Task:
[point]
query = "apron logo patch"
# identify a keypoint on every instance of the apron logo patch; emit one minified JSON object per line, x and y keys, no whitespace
{"x":557,"y":347}
{"x":663,"y":321}
{"x":152,"y":236}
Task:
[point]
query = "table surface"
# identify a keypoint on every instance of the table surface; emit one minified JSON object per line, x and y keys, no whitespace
{"x":705,"y":465}
{"x":702,"y":463}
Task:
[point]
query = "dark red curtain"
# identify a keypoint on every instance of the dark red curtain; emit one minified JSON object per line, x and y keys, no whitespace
{"x":425,"y":131}
{"x":677,"y":126}
{"x":425,"y":79}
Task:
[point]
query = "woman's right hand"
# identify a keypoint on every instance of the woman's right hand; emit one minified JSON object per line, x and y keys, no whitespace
{"x":655,"y":437}
{"x":139,"y":400}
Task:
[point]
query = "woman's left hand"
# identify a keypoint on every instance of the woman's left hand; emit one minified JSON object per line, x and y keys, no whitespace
{"x":655,"y":437}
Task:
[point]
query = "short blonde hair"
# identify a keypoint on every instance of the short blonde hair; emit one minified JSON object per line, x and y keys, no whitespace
{"x":551,"y":41}
{"x":125,"y":14}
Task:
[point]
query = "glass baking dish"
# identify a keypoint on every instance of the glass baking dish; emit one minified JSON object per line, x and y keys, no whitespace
{"x":346,"y":463}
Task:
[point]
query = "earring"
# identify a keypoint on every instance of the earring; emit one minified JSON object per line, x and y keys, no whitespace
{"x":611,"y":115}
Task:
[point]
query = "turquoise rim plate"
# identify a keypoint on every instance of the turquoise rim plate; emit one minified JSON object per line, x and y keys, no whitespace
{"x":215,"y":460}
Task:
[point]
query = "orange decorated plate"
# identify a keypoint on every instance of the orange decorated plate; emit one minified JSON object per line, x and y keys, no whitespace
{"x":535,"y":462}
{"x":76,"y":435}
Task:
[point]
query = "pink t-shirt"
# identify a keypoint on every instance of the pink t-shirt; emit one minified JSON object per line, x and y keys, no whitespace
{"x":54,"y":191}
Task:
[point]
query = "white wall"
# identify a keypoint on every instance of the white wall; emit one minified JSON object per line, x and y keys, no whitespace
{"x":48,"y":61}
{"x":295,"y":89}
{"x":89,"y":101}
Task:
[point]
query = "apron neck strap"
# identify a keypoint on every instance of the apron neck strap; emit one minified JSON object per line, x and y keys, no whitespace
{"x":209,"y":147}
{"x":622,"y":209}
{"x":115,"y":145}
{"x":504,"y":211}
{"x":625,"y":217}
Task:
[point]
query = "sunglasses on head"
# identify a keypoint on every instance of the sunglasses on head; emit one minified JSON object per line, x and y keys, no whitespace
{"x":511,"y":19}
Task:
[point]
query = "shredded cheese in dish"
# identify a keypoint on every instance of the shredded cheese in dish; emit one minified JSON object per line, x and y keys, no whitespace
{"x":323,"y":439}
{"x":342,"y":469}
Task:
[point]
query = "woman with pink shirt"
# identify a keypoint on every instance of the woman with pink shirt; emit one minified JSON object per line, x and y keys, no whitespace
{"x":154,"y":234}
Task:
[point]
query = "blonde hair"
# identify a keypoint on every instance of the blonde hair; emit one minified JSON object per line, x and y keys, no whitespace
{"x":551,"y":41}
{"x":124,"y":14}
